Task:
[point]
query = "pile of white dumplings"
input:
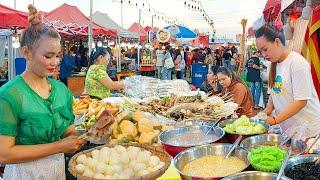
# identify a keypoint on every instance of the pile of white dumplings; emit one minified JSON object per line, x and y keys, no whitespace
{"x":118,"y":162}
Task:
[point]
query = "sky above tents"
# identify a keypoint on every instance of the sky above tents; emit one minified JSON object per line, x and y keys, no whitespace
{"x":226,"y":14}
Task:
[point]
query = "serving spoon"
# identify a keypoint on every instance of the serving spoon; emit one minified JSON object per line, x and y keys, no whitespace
{"x":284,"y":163}
{"x":234,"y":145}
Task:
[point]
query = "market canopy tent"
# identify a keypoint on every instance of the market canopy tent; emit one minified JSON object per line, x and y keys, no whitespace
{"x":10,"y":18}
{"x":104,"y":20}
{"x":135,"y":28}
{"x":181,"y":32}
{"x":70,"y":20}
{"x":272,"y":13}
{"x":148,"y":28}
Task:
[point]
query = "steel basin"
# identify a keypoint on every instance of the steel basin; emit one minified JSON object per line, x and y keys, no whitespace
{"x":173,"y":150}
{"x":219,"y":149}
{"x":255,"y":175}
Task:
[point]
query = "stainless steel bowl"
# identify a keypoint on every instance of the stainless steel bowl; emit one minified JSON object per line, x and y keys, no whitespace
{"x":300,"y":160}
{"x":254,"y":142}
{"x":233,"y":136}
{"x":252,"y":175}
{"x":173,"y":149}
{"x":219,"y":149}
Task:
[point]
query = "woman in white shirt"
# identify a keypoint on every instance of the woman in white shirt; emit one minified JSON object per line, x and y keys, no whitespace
{"x":293,"y":97}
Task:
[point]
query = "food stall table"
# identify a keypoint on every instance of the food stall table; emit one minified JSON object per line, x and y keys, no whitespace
{"x":147,"y":69}
{"x":124,"y":74}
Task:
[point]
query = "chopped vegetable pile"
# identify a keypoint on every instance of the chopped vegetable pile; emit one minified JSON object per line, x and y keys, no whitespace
{"x":244,"y":126}
{"x":267,"y":158}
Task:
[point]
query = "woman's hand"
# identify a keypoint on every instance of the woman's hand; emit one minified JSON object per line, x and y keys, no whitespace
{"x":271,"y":120}
{"x":71,"y":144}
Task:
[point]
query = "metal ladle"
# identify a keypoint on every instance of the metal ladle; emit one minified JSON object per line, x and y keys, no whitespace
{"x":234,"y":145}
{"x":284,"y":163}
{"x":213,"y":126}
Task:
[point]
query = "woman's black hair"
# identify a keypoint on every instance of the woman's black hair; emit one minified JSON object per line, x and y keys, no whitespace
{"x":270,"y":33}
{"x":229,"y":73}
{"x":31,"y":35}
{"x":209,"y":50}
{"x":74,"y":49}
{"x":168,"y":48}
{"x":95,"y":53}
{"x":214,"y":69}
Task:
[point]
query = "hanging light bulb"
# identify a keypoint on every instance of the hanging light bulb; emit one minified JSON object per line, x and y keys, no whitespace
{"x":149,"y":10}
{"x":142,"y":4}
{"x":129,"y":2}
{"x":185,"y":3}
{"x":136,"y":4}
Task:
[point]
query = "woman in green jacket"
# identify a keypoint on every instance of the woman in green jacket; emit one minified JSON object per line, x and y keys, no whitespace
{"x":36,"y":119}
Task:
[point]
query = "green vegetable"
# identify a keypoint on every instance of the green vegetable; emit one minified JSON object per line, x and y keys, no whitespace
{"x":243,"y":125}
{"x":165,"y":99}
{"x":267,"y":158}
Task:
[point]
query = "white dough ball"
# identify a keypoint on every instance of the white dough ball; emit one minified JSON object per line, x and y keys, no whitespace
{"x":80,"y":168}
{"x":117,"y":169}
{"x":113,"y":151}
{"x":143,"y":172}
{"x":147,"y":153}
{"x":159,"y":166}
{"x":81,"y":159}
{"x":129,"y":172}
{"x":132,"y":155}
{"x":95,"y":154}
{"x":133,"y":148}
{"x":104,"y":157}
{"x":120,"y":149}
{"x":115,"y":176}
{"x":99,"y":176}
{"x":124,"y":158}
{"x":154,"y":161}
{"x":132,"y":164}
{"x":101,"y":167}
{"x":142,"y":158}
{"x":87,"y":161}
{"x":105,"y":149}
{"x":150,"y":169}
{"x":114,"y":159}
{"x":140,"y":167}
{"x":109,"y":170}
{"x":88,"y":173}
{"x":92,"y":164}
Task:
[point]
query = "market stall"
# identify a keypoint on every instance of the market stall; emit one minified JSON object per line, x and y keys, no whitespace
{"x":125,"y":37}
{"x":163,"y":129}
{"x":104,"y":20}
{"x":137,"y":28}
{"x":75,"y":22}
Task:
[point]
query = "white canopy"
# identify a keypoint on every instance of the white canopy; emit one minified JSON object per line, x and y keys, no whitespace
{"x":285,"y":4}
{"x":105,"y":21}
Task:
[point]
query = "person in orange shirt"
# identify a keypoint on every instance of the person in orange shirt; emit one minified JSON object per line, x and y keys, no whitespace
{"x":238,"y":91}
